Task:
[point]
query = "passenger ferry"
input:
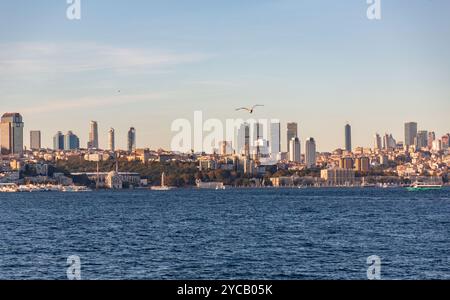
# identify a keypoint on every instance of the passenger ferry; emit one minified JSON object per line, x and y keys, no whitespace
{"x":420,"y":186}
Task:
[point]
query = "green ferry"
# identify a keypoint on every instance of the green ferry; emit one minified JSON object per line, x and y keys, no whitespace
{"x":419,"y":186}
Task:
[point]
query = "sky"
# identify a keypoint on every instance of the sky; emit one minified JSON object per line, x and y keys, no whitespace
{"x":320,"y":63}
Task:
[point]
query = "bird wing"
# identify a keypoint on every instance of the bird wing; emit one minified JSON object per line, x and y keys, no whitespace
{"x":242,"y":108}
{"x":257,"y":105}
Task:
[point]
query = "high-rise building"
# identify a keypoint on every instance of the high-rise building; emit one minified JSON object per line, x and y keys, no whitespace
{"x":11,"y":128}
{"x":445,"y":141}
{"x":58,"y":141}
{"x":225,"y":147}
{"x":431,"y":139}
{"x":421,"y":140}
{"x":93,"y":136}
{"x":295,"y":154}
{"x":348,"y":138}
{"x":243,"y":140}
{"x":35,"y":140}
{"x":377,"y":143}
{"x":410,"y":133}
{"x":131,"y":141}
{"x":436,"y":145}
{"x":310,"y":153}
{"x":112,"y":139}
{"x":292,"y":132}
{"x":389,"y":143}
{"x":275,"y":138}
{"x":71,"y":141}
{"x":257,"y":134}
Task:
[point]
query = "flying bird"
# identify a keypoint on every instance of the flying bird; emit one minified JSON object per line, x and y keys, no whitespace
{"x":250,"y":110}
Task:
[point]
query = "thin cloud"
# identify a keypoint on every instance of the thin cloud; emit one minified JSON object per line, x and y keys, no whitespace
{"x":32,"y":58}
{"x":90,"y":102}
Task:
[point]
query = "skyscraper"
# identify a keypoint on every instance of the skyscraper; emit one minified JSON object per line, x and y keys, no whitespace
{"x":295,"y":155}
{"x":257,"y":134}
{"x":275,"y":138}
{"x":310,"y":153}
{"x":431,"y":139}
{"x":112,"y":140}
{"x":377,"y":143}
{"x":348,"y":138}
{"x":445,"y":141}
{"x":421,"y":140}
{"x":71,"y":141}
{"x":58,"y":141}
{"x":11,"y":128}
{"x":131,"y":141}
{"x":389,"y":143}
{"x":243,"y":140}
{"x":35,"y":140}
{"x":292,"y":132}
{"x":410,"y":133}
{"x":93,"y":136}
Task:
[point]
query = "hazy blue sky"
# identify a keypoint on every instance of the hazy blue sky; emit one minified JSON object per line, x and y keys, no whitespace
{"x":317,"y":62}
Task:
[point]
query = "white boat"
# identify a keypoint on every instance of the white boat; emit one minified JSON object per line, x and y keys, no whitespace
{"x":75,"y":189}
{"x":8,"y":188}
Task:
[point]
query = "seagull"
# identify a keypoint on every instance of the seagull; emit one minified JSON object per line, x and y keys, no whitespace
{"x":250,"y":110}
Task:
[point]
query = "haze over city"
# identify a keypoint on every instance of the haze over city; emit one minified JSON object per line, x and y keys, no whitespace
{"x":318,"y":63}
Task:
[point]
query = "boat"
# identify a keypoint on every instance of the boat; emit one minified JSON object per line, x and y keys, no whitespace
{"x":210,"y":185}
{"x":8,"y":188}
{"x":163,"y":186}
{"x":420,"y":186}
{"x":75,"y":189}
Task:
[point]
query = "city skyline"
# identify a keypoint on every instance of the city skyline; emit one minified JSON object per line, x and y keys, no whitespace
{"x":118,"y":72}
{"x":421,"y":138}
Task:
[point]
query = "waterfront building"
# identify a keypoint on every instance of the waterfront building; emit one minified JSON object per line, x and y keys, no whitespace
{"x":348,"y":138}
{"x":71,"y":141}
{"x":131,"y":140}
{"x":362,"y":164}
{"x":128,"y":178}
{"x":338,"y":177}
{"x":292,"y":132}
{"x":410,"y":134}
{"x":93,"y":136}
{"x":35,"y":140}
{"x":11,"y":128}
{"x":295,"y":154}
{"x":112,"y":140}
{"x":310,"y":153}
{"x":58,"y":141}
{"x":114,"y":181}
{"x":346,"y":163}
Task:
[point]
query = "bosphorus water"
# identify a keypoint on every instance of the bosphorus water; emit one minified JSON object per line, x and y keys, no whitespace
{"x":231,"y":234}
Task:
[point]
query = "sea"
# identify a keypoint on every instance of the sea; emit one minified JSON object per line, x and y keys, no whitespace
{"x":188,"y":234}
